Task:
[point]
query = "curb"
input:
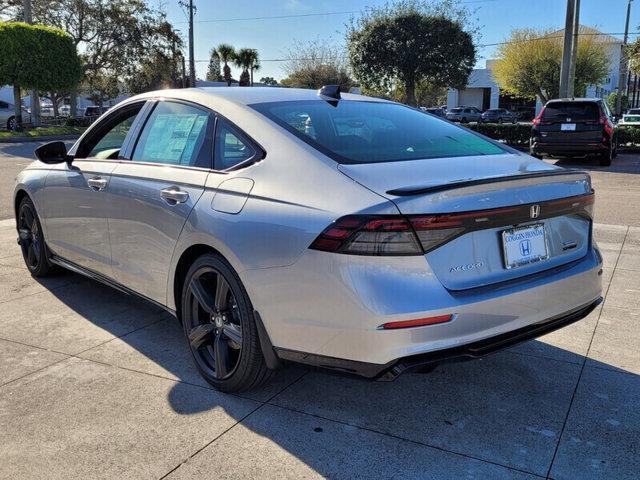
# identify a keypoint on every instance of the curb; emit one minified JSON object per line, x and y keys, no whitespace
{"x":44,"y":138}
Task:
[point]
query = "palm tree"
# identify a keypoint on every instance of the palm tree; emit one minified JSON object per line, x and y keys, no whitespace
{"x":244,"y":59}
{"x":227,"y":54}
{"x":254,"y":63}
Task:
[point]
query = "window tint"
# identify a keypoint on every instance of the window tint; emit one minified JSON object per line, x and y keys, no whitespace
{"x":232,"y":147}
{"x":576,"y":111}
{"x":365,"y":132}
{"x":175,"y":134}
{"x":109,"y":143}
{"x":4,"y":105}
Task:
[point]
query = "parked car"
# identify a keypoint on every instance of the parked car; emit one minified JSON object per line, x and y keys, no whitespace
{"x":94,"y":111}
{"x":438,"y":112}
{"x":464,"y":114}
{"x":498,"y":115}
{"x":575,"y":127}
{"x":7,"y":115}
{"x":631,"y":117}
{"x":331,"y":229}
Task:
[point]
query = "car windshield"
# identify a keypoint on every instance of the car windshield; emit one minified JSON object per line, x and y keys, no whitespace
{"x":367,"y":132}
{"x":576,"y":111}
{"x":455,"y":110}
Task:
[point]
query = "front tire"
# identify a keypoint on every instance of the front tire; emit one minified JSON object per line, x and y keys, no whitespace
{"x":219,"y":324}
{"x":31,"y":240}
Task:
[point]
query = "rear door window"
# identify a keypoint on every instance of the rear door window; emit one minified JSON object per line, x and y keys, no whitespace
{"x":176,"y":134}
{"x":571,"y":112}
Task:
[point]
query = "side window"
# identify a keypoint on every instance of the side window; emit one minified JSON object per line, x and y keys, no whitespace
{"x":106,"y":140}
{"x":232,"y":147}
{"x":4,"y":105}
{"x":176,"y":134}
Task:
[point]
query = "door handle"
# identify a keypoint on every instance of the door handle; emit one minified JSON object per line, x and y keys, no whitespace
{"x":173,"y":195}
{"x":97,"y":183}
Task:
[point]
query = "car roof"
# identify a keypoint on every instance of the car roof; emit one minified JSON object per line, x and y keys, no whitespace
{"x":585,"y":99}
{"x":250,"y":95}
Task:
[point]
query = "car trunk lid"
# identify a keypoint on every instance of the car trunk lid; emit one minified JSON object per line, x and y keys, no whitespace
{"x":501,"y":190}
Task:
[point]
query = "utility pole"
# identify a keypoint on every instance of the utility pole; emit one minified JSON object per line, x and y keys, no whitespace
{"x":33,"y":94}
{"x":567,"y":49}
{"x":192,"y":64}
{"x":574,"y":50}
{"x":623,"y":63}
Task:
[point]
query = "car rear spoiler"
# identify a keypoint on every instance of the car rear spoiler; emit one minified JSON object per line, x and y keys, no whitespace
{"x":420,"y":190}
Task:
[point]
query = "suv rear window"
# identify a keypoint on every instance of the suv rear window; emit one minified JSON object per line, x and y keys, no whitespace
{"x":368,"y":132}
{"x":576,"y":111}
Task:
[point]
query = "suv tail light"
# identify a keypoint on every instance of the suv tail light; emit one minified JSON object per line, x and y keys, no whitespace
{"x":603,"y":120}
{"x":420,"y":234}
{"x":538,"y":120}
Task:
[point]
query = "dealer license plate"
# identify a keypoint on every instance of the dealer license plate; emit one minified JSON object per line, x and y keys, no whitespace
{"x":524,"y":245}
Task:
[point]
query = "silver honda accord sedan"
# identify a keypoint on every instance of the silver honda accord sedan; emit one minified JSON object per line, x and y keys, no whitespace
{"x":329,"y":229}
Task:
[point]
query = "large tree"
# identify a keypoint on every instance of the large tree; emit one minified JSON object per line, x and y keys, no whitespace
{"x":314,"y":63}
{"x":410,"y":42}
{"x":529,"y":62}
{"x":36,"y":57}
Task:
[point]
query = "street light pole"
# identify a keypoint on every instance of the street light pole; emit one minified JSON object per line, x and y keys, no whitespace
{"x":623,"y":62}
{"x":574,"y":50}
{"x":565,"y":67}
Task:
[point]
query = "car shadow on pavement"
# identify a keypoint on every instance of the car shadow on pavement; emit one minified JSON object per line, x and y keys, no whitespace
{"x":508,"y":409}
{"x":623,"y":163}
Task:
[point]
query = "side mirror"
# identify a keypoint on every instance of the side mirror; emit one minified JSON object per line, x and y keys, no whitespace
{"x":53,"y":152}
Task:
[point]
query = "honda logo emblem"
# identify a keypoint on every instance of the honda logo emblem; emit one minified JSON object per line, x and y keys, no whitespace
{"x":534,"y":211}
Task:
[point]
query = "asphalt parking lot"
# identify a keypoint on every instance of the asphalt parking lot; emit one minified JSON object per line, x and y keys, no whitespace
{"x":96,"y":384}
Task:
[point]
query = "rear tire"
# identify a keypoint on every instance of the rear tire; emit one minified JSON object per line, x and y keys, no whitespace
{"x":219,"y":324}
{"x":31,"y":240}
{"x":605,"y":158}
{"x":11,"y":123}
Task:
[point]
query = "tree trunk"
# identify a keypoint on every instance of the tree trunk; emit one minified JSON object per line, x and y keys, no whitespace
{"x":251,"y":76}
{"x":227,"y":74}
{"x":17,"y":103}
{"x":35,"y":108}
{"x":543,"y":97}
{"x":73,"y":103}
{"x":54,"y":102}
{"x":410,"y":92}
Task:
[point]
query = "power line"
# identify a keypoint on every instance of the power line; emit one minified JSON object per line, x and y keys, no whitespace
{"x":480,"y":46}
{"x":302,"y":15}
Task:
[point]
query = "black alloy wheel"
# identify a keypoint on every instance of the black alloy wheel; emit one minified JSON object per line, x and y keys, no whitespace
{"x":11,"y":123}
{"x":218,"y":322}
{"x":31,"y":239}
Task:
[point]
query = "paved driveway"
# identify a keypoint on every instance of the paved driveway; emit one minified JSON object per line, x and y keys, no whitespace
{"x":96,"y":384}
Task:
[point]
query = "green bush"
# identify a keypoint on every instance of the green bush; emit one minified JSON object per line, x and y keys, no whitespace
{"x":515,"y":135}
{"x":78,"y":122}
{"x":629,"y":136}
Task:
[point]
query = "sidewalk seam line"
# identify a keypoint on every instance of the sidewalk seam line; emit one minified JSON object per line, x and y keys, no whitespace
{"x":584,"y":360}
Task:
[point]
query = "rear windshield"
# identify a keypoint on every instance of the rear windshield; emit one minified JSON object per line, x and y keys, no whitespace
{"x":571,"y":111}
{"x":367,"y":132}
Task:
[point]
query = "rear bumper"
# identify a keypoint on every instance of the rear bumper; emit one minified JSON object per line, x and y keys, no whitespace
{"x":468,"y":351}
{"x":330,"y":306}
{"x":568,"y":148}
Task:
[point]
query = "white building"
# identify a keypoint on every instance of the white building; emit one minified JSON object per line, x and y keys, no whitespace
{"x":483,"y":92}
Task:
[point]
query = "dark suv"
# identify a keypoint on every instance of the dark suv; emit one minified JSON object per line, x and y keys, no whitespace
{"x":574,"y":127}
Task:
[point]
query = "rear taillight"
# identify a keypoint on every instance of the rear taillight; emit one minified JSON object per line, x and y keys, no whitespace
{"x":605,"y":122}
{"x":419,"y":234}
{"x":369,"y":235}
{"x":538,"y":120}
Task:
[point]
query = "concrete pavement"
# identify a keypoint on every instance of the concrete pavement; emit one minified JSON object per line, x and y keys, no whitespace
{"x":98,"y":384}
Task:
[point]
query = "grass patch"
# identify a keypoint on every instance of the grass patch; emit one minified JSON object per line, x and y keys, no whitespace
{"x":42,"y":132}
